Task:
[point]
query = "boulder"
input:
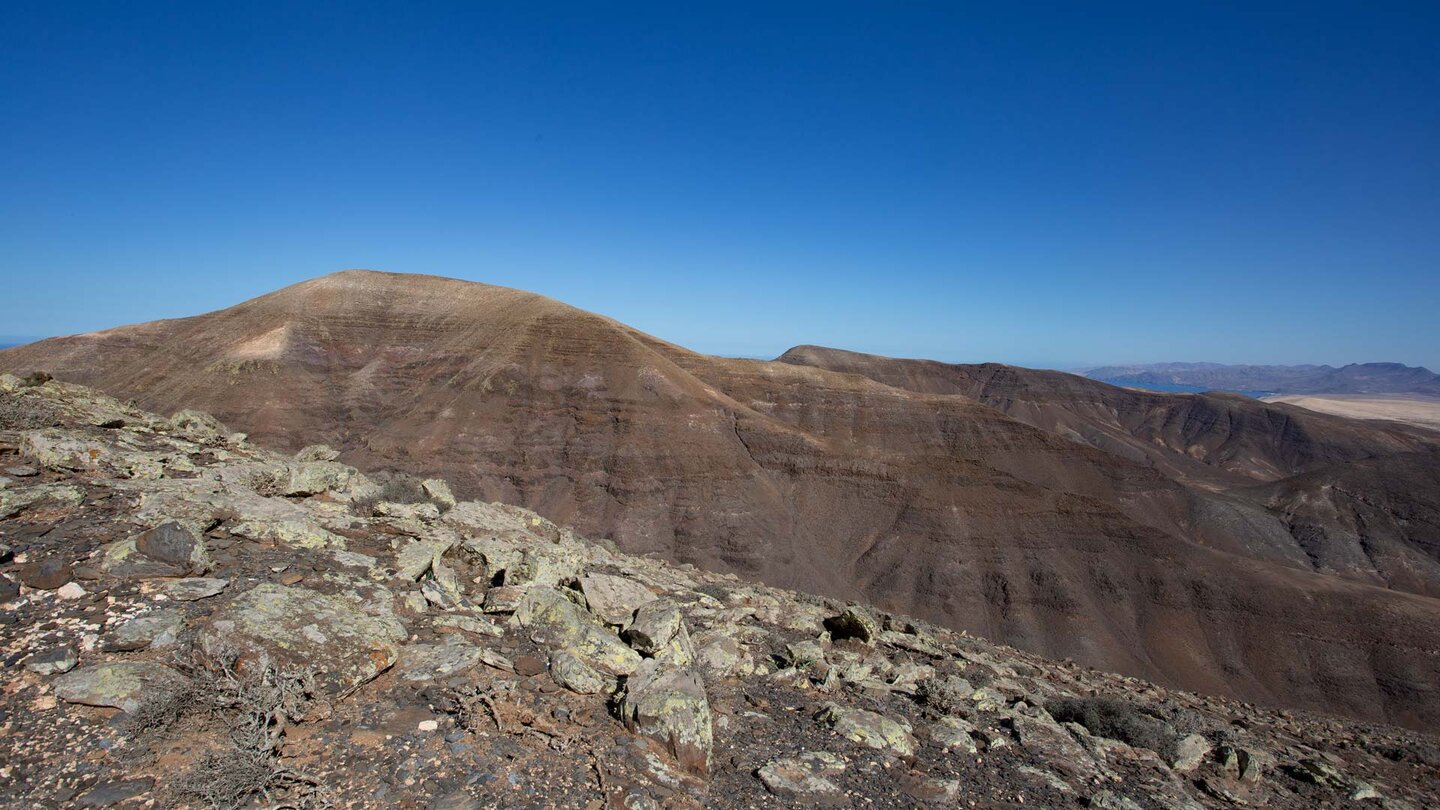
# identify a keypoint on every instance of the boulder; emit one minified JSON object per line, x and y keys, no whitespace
{"x":168,"y":543}
{"x":659,"y":632}
{"x":46,"y":575}
{"x":157,"y":630}
{"x":297,"y":627}
{"x":869,"y":728}
{"x":667,"y":703}
{"x":955,"y":734}
{"x":53,"y":661}
{"x":804,"y":654}
{"x":9,"y":588}
{"x":193,"y":589}
{"x":1190,"y":752}
{"x":558,"y":623}
{"x":614,"y":599}
{"x":415,"y":558}
{"x":121,"y":685}
{"x":720,"y":656}
{"x":805,"y":776}
{"x":573,"y":674}
{"x":855,"y":623}
{"x":430,"y":662}
{"x":438,"y":491}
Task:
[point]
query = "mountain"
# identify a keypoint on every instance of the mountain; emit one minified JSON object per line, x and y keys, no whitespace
{"x":1356,"y":378}
{"x":1156,"y":535}
{"x":289,"y":629}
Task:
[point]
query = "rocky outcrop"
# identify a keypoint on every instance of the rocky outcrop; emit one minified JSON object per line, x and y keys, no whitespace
{"x":488,"y":657}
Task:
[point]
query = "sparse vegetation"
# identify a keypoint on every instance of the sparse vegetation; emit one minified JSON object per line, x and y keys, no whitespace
{"x":395,"y":487}
{"x":1117,"y":720}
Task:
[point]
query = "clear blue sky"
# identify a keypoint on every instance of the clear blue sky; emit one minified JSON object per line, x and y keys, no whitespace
{"x":1030,"y":183}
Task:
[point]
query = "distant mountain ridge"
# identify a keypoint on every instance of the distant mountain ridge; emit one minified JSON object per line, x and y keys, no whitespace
{"x":1355,"y":378}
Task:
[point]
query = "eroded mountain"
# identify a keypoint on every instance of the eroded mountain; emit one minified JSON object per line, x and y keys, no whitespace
{"x":192,"y":621}
{"x":1138,"y":540}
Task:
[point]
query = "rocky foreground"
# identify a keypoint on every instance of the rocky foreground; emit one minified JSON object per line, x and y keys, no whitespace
{"x":189,"y":620}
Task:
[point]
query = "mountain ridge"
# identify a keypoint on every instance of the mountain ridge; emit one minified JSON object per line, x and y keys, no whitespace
{"x":1352,"y":378}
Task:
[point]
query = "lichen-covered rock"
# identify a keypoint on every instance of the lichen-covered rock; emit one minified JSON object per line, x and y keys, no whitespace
{"x":614,"y":599}
{"x":293,"y":532}
{"x":659,"y":632}
{"x":668,"y":704}
{"x":1190,"y":752}
{"x":438,"y":491}
{"x":804,"y":654}
{"x":156,"y":630}
{"x":429,"y":662}
{"x":193,"y":589}
{"x":856,"y":623}
{"x":53,"y":661}
{"x":955,"y":734}
{"x":869,"y":728}
{"x":573,"y":674}
{"x":416,"y":557}
{"x":169,"y":543}
{"x":555,"y":621}
{"x":292,"y":626}
{"x":121,"y":685}
{"x":804,"y":776}
{"x":720,"y":656}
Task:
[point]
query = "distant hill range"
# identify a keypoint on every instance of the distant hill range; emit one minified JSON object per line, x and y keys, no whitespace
{"x":1356,"y":378}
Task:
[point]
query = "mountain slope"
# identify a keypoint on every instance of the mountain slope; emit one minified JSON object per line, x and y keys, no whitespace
{"x":1355,"y":378}
{"x":928,"y":502}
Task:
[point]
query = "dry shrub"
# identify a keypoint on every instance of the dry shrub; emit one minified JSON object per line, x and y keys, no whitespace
{"x":1118,"y":720}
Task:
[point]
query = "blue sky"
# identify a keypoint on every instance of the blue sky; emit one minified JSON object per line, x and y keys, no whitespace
{"x":1029,"y":183}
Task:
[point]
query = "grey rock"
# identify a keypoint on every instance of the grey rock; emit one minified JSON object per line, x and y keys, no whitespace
{"x":558,"y":623}
{"x":416,"y":557}
{"x":869,"y":728}
{"x":805,"y":776}
{"x":804,"y":654}
{"x":955,"y":734}
{"x":167,"y":543}
{"x":429,"y":662}
{"x":856,"y":623}
{"x":156,"y":630}
{"x":1110,"y":800}
{"x":668,"y":704}
{"x":118,"y":684}
{"x":659,"y":632}
{"x":329,"y":635}
{"x":109,"y":794}
{"x":573,"y":674}
{"x":614,"y":599}
{"x":470,"y":624}
{"x":22,"y":471}
{"x":1190,"y":752}
{"x":193,"y":589}
{"x":9,"y":588}
{"x":53,"y":661}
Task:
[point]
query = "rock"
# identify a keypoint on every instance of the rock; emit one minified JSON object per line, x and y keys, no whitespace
{"x":667,"y":703}
{"x":317,"y":452}
{"x":112,"y":793}
{"x":46,"y":575}
{"x":856,"y":623}
{"x":559,"y":623}
{"x":1364,"y":791}
{"x":1252,"y":764}
{"x":1318,"y":772}
{"x":438,"y":491}
{"x":614,"y":599}
{"x":1052,"y":744}
{"x":9,"y":588}
{"x":573,"y":674}
{"x":503,"y":599}
{"x":429,"y":662}
{"x":1109,"y":800}
{"x":54,"y":661}
{"x":722,"y":657}
{"x":22,"y":471}
{"x":869,"y":728}
{"x":442,"y":588}
{"x":428,"y":725}
{"x":167,"y":543}
{"x":470,"y":624}
{"x":193,"y":589}
{"x":954,"y":733}
{"x":122,"y":685}
{"x":157,"y":630}
{"x":804,"y":776}
{"x":659,"y":632}
{"x":299,"y":627}
{"x":1190,"y":752}
{"x":416,"y":558}
{"x":70,"y":590}
{"x":804,"y":654}
{"x":199,"y":427}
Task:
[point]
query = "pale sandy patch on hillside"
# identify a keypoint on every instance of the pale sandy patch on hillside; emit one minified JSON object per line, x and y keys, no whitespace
{"x":1410,"y":410}
{"x":269,"y":345}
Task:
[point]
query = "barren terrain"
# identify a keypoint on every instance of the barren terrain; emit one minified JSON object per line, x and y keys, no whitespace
{"x":1422,"y":412}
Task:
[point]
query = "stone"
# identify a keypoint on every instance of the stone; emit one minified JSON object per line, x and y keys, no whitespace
{"x":470,"y":624}
{"x":503,"y":599}
{"x":1318,"y":772}
{"x":112,"y":793}
{"x":193,"y":589}
{"x":415,"y":558}
{"x":1048,"y":741}
{"x":955,"y":734}
{"x":156,"y":630}
{"x":54,"y":661}
{"x":70,"y":590}
{"x":438,"y":491}
{"x":573,"y":674}
{"x":1190,"y":752}
{"x":528,"y":665}
{"x":722,"y":657}
{"x":659,"y":632}
{"x":855,"y":623}
{"x":199,"y":427}
{"x":614,"y":599}
{"x":167,"y":543}
{"x":1364,"y":791}
{"x":317,"y":452}
{"x":804,"y":776}
{"x":430,"y":662}
{"x":9,"y":588}
{"x":329,"y":635}
{"x":804,"y":654}
{"x":869,"y":728}
{"x":428,"y":725}
{"x":46,"y":575}
{"x":22,"y":471}
{"x":1109,"y":800}
{"x":556,"y":622}
{"x":121,"y":685}
{"x":668,"y":704}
